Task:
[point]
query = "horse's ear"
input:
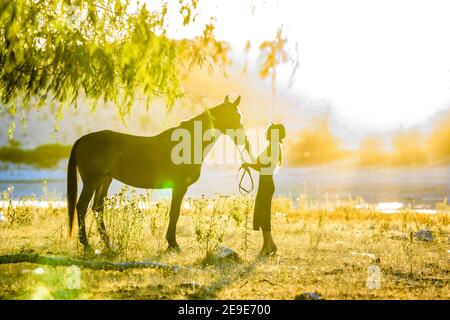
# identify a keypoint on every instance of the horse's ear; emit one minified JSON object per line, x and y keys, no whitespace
{"x":237,"y":101}
{"x":227,"y":99}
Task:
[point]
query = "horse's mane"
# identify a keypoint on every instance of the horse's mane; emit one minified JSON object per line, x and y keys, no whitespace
{"x":202,"y":116}
{"x":194,"y":118}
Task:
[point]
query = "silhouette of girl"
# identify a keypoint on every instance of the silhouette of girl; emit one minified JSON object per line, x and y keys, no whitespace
{"x":267,"y":164}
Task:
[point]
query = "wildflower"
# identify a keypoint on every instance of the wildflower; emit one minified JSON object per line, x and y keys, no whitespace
{"x":39,"y":271}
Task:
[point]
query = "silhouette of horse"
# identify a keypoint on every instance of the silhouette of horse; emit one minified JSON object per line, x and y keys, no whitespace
{"x":142,"y":162}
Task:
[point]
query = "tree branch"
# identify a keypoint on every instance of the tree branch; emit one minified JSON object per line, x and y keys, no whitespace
{"x":90,"y":264}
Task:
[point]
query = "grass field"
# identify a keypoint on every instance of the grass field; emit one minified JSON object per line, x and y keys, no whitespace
{"x":327,"y":251}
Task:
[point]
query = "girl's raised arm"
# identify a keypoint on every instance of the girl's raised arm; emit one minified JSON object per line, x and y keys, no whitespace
{"x":254,"y":166}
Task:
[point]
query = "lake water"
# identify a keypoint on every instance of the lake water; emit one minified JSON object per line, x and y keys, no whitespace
{"x":421,"y":188}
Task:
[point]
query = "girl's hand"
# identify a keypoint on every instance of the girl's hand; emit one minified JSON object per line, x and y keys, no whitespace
{"x":247,"y":166}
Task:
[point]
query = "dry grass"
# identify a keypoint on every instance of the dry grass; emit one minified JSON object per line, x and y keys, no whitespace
{"x":328,"y":251}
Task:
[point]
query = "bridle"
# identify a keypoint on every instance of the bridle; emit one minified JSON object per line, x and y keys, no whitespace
{"x":242,"y":168}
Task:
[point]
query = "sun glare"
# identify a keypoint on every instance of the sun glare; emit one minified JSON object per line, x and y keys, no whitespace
{"x":378,"y":68}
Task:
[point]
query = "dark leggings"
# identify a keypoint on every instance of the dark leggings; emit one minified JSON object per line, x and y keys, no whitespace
{"x":263,"y":203}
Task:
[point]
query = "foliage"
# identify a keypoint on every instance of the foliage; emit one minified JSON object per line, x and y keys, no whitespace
{"x":210,"y":222}
{"x":100,"y":49}
{"x":409,"y":148}
{"x":158,"y":214}
{"x":371,"y":151}
{"x":111,"y":50}
{"x":124,"y":220}
{"x":274,"y":53}
{"x":43,"y":156}
{"x":439,"y":140}
{"x":443,"y":206}
{"x":239,"y":210}
{"x":315,"y":144}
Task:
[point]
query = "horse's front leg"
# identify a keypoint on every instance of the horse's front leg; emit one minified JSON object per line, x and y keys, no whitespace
{"x":178,"y":193}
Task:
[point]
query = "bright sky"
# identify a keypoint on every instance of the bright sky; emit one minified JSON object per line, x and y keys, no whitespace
{"x":380,"y":64}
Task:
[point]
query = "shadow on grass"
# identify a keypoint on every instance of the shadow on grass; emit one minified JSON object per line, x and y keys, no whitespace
{"x":232,"y":273}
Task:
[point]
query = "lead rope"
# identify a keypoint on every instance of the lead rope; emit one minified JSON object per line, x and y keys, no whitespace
{"x":243,"y":190}
{"x":246,"y":170}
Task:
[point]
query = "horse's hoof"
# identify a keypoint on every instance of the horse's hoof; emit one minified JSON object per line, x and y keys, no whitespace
{"x":265,"y":253}
{"x":173,"y":248}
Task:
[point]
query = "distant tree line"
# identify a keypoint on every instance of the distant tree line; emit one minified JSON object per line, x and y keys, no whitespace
{"x":43,"y":156}
{"x":317,"y":144}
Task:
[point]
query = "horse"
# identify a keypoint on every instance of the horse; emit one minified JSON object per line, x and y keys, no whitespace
{"x":144,"y":162}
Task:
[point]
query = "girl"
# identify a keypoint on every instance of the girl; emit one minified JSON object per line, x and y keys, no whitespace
{"x":268,"y":163}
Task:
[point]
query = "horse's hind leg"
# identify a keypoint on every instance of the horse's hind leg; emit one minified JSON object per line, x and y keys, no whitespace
{"x":82,"y":205}
{"x":99,"y":199}
{"x":177,"y":197}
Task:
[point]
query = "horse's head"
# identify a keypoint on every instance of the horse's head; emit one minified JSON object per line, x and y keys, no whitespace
{"x":227,"y":115}
{"x":228,"y":119}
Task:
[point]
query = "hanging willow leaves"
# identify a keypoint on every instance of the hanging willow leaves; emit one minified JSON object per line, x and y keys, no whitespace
{"x":273,"y":54}
{"x":99,"y":49}
{"x":110,"y":50}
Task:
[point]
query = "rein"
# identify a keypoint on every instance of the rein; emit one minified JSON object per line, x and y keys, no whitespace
{"x":243,"y":190}
{"x":245,"y":170}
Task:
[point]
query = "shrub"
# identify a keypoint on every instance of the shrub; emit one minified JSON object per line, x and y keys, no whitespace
{"x":43,"y":156}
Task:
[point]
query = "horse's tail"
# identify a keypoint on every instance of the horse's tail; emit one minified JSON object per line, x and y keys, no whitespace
{"x":72,"y":187}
